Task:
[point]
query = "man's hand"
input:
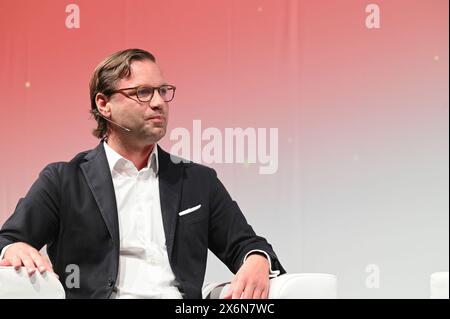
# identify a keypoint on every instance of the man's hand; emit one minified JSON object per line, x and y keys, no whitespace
{"x":21,"y":254}
{"x":252,"y":279}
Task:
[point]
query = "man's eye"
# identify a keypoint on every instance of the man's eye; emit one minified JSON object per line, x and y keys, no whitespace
{"x":144,"y":92}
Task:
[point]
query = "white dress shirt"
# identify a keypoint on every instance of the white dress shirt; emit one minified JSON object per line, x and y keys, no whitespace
{"x":144,"y":268}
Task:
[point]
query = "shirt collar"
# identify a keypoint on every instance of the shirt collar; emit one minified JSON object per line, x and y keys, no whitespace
{"x":119,"y":163}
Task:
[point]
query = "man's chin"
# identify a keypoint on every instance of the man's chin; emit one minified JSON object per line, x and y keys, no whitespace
{"x":156,"y":134}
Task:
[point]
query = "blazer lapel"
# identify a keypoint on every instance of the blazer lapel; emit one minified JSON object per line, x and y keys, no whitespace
{"x":98,"y":176}
{"x":170,"y":184}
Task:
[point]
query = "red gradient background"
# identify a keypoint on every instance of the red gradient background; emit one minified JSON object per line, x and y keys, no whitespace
{"x":362,"y":113}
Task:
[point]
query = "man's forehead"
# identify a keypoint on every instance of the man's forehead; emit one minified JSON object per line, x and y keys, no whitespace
{"x":144,"y":73}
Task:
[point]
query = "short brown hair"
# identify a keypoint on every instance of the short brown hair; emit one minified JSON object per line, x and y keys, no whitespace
{"x":105,"y":77}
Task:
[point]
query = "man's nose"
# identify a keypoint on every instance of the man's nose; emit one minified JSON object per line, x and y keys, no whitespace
{"x":157,"y":101}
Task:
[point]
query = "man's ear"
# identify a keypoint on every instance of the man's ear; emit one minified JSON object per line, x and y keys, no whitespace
{"x":102,"y":105}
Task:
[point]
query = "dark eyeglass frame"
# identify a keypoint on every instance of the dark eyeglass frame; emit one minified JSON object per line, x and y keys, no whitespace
{"x":136,"y":88}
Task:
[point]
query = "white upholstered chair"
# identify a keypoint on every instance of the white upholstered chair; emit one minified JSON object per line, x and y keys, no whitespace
{"x":287,"y":286}
{"x":439,"y":285}
{"x":17,"y":284}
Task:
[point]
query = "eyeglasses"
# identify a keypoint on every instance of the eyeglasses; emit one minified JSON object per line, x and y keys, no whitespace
{"x":145,"y":93}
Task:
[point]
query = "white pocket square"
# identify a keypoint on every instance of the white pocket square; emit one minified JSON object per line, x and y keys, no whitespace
{"x":189,"y":210}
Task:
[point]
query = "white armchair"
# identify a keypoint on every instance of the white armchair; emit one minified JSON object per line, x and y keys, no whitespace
{"x":439,"y":285}
{"x":287,"y":286}
{"x":17,"y":284}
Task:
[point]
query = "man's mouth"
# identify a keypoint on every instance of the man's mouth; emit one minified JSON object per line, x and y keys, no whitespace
{"x":156,"y":118}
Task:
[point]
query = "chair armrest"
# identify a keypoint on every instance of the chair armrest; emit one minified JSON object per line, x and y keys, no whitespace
{"x":287,"y":286}
{"x":18,"y":285}
{"x":439,"y":285}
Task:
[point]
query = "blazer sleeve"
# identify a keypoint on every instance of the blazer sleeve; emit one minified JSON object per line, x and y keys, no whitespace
{"x":230,"y":236}
{"x":35,"y":220}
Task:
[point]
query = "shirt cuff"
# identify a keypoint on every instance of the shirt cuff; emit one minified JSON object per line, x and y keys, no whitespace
{"x":4,"y":251}
{"x":272,"y":273}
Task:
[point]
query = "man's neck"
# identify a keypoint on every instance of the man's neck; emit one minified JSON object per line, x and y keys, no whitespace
{"x":134,"y":153}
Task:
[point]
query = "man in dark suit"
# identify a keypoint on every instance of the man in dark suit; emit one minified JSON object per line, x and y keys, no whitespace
{"x":135,"y":221}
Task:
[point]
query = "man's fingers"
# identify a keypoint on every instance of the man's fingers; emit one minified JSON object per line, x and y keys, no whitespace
{"x":22,"y":254}
{"x":5,"y":263}
{"x":265,"y":294}
{"x":237,"y":291}
{"x":16,"y":262}
{"x":257,"y":293}
{"x":49,"y":265}
{"x":229,"y":292}
{"x":28,"y":263}
{"x":248,"y":291}
{"x":47,"y":261}
{"x":40,"y":262}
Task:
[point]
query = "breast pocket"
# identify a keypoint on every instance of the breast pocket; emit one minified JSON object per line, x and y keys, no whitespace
{"x":192,"y":215}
